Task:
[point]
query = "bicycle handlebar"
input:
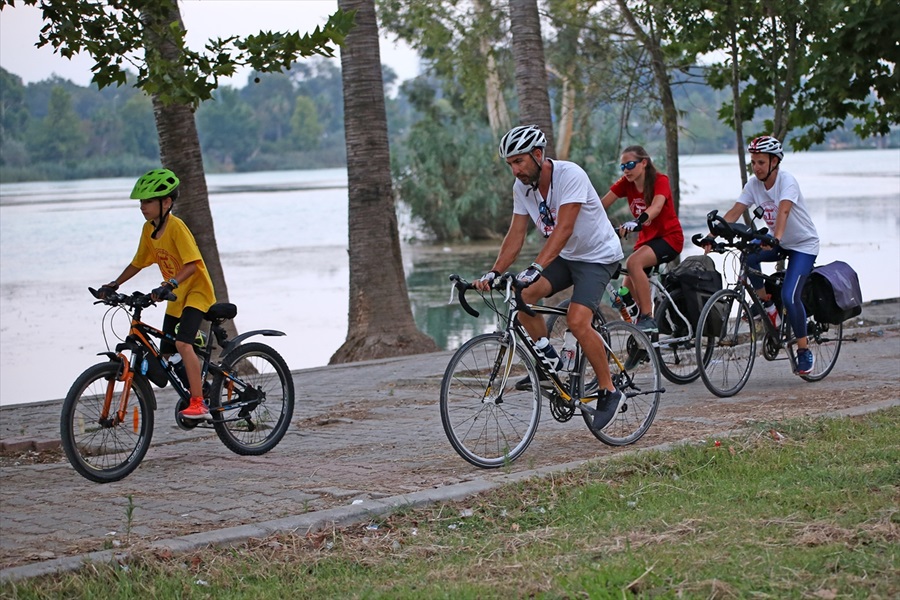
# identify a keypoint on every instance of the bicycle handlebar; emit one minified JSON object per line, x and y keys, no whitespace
{"x":745,"y":235}
{"x":135,"y":300}
{"x":506,"y":282}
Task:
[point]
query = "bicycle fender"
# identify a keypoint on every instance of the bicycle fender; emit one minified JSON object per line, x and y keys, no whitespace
{"x":233,"y":343}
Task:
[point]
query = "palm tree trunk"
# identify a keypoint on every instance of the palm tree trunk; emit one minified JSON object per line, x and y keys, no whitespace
{"x":179,"y":149}
{"x":380,"y":322}
{"x":531,"y":70}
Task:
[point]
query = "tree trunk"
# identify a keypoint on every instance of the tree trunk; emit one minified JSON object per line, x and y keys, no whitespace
{"x":380,"y":321}
{"x":566,"y":114}
{"x":664,"y":88}
{"x":531,"y":71}
{"x":179,"y":149}
{"x":498,"y":115}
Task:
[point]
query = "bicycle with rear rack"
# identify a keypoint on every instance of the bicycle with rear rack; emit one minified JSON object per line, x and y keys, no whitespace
{"x":735,"y":318}
{"x":107,"y":417}
{"x":490,"y":417}
{"x":674,"y":343}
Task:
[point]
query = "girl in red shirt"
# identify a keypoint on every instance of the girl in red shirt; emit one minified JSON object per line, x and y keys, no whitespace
{"x":660,"y":238}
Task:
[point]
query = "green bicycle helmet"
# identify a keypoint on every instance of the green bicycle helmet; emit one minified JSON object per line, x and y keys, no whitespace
{"x":158,"y":183}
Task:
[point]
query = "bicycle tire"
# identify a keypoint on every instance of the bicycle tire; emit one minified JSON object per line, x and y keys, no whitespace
{"x":825,"y":343}
{"x":677,"y":360}
{"x":106,"y":452}
{"x":489,"y":427}
{"x":637,"y":375}
{"x":730,"y":344}
{"x":252,"y":413}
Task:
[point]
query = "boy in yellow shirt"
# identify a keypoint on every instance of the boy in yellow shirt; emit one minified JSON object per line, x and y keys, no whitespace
{"x":167,"y":242}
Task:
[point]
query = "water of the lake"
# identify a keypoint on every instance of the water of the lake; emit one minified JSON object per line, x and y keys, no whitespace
{"x":282,"y":237}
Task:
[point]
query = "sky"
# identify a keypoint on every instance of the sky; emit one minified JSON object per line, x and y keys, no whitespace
{"x":204,"y":19}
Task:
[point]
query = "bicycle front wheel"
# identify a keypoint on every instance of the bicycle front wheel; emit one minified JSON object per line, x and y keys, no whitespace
{"x":726,"y":343}
{"x":252,"y":404}
{"x":825,"y":343}
{"x":488,"y":418}
{"x":101,"y":444}
{"x":634,"y":369}
{"x":677,"y":355}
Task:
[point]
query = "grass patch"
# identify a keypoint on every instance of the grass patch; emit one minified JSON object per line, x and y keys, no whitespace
{"x":800,"y":509}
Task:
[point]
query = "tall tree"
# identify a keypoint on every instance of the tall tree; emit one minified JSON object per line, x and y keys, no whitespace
{"x":462,"y":44}
{"x":380,"y":321}
{"x":531,"y":68}
{"x":649,"y":33}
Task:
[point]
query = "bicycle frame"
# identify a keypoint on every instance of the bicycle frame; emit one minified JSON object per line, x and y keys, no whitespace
{"x":657,"y":290}
{"x":516,"y":334}
{"x":142,"y":347}
{"x":778,"y":336}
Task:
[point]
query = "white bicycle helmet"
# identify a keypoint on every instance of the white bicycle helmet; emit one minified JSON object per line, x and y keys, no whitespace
{"x":766,"y":144}
{"x":522,"y":140}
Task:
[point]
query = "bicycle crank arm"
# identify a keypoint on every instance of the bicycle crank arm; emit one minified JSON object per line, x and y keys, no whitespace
{"x":640,"y":393}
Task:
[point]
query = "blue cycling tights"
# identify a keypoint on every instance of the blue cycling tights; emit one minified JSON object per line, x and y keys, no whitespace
{"x":799,"y":267}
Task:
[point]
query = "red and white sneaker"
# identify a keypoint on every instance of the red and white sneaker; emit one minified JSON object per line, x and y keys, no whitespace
{"x":196,"y":410}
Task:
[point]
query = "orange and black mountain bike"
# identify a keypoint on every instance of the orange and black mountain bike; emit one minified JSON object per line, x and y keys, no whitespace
{"x":107,"y":416}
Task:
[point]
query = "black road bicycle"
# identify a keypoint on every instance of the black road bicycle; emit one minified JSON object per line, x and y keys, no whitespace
{"x":733,"y":320}
{"x":494,"y":385}
{"x":107,"y":416}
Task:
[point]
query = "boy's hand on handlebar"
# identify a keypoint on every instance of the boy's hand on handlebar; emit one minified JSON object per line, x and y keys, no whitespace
{"x":106,"y":290}
{"x":163,"y":292}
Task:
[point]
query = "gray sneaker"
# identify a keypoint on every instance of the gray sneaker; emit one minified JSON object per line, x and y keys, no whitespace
{"x":647,"y":324}
{"x":607,"y":408}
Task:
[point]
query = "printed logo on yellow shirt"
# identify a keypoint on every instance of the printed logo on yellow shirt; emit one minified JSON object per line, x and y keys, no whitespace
{"x":168,"y":264}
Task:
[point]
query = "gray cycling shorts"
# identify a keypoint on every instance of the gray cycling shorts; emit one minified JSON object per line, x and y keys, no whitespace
{"x":589,"y":279}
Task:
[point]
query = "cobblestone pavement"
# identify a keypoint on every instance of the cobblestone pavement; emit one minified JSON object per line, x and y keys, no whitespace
{"x":362,"y":431}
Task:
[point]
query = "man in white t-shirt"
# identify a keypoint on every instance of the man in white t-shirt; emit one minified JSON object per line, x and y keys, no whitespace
{"x":786,"y":214}
{"x":581,"y":248}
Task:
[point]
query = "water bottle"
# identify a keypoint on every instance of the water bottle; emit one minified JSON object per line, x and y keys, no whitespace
{"x":568,"y":352}
{"x":772,"y":313}
{"x":543,"y":346}
{"x":178,"y":367}
{"x":627,"y":304}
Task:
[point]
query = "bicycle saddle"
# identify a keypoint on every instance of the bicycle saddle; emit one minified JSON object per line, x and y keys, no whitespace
{"x":221,"y":311}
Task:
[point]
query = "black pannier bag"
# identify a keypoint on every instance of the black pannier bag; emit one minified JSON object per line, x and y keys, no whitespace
{"x":832,"y":293}
{"x":691,"y":284}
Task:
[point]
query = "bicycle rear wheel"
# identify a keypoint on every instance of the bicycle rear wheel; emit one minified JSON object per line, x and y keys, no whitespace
{"x":677,"y":357}
{"x":825,"y":343}
{"x":726,"y":343}
{"x":252,"y":406}
{"x":98,"y":445}
{"x":634,"y":368}
{"x":488,"y":421}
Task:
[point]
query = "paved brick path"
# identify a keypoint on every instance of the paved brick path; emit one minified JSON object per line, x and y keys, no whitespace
{"x":364,"y":431}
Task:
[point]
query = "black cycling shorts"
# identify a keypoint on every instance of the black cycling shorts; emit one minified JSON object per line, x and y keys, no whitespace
{"x":663,"y":251}
{"x":188,"y":326}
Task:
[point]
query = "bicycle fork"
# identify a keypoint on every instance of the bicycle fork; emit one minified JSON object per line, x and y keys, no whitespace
{"x":125,"y":375}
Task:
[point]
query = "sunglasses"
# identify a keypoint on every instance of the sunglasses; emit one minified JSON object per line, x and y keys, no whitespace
{"x":629,"y":165}
{"x":546,"y":216}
